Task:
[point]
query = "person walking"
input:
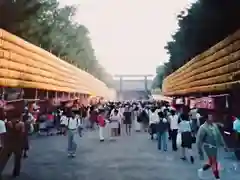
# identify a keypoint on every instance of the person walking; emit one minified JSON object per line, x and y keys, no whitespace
{"x":195,"y":119}
{"x":27,"y":119}
{"x":162,"y":129}
{"x":102,"y":123}
{"x":210,"y":139}
{"x":13,"y":143}
{"x":2,"y":128}
{"x":115,"y":119}
{"x":173,"y":120}
{"x":236,"y":128}
{"x":186,"y":136}
{"x":93,"y":117}
{"x":137,"y":125}
{"x":71,"y":122}
{"x":127,"y":120}
{"x":153,"y":121}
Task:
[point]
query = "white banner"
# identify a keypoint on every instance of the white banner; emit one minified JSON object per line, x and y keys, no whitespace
{"x":159,"y":97}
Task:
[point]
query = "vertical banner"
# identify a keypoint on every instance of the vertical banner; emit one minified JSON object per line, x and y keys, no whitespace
{"x":192,"y":103}
{"x":186,"y":101}
{"x":2,"y":103}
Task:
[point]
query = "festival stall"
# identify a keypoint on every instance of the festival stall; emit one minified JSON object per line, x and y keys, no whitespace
{"x":211,"y":82}
{"x":31,"y":74}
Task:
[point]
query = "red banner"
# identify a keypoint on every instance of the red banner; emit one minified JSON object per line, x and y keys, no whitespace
{"x":205,"y":103}
{"x":69,"y":104}
{"x":9,"y":107}
{"x":2,"y":103}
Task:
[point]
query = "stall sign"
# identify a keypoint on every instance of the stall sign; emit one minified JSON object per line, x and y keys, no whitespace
{"x":179,"y":101}
{"x":186,"y":101}
{"x":9,"y":107}
{"x":2,"y":103}
{"x":205,"y":103}
{"x":13,"y":94}
{"x":69,"y":104}
{"x":192,"y":103}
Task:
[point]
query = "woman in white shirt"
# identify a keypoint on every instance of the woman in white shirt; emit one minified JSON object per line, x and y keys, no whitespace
{"x":115,"y":120}
{"x":63,"y":120}
{"x":173,"y":119}
{"x":153,"y":121}
{"x":186,"y":136}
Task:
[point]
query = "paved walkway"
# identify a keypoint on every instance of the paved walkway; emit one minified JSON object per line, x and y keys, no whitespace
{"x":129,"y":158}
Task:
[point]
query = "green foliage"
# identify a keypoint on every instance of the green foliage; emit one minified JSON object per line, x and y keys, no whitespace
{"x":45,"y":24}
{"x":158,"y":79}
{"x":205,"y":23}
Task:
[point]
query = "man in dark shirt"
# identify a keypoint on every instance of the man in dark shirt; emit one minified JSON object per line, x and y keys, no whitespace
{"x":93,"y":117}
{"x":13,"y":143}
{"x":127,"y":120}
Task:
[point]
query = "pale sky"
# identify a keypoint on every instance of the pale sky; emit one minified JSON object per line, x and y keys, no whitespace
{"x":129,"y":35}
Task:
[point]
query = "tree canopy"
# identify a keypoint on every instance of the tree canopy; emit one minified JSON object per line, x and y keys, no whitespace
{"x":46,"y":24}
{"x":204,"y":24}
{"x":157,"y":81}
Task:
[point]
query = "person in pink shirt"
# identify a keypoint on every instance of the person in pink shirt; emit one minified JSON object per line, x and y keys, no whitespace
{"x":50,"y":123}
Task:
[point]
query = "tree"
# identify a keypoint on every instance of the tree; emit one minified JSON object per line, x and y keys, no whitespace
{"x":205,"y":23}
{"x":45,"y":24}
{"x":158,"y":79}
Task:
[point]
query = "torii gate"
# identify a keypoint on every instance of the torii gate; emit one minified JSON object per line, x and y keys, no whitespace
{"x":122,"y":76}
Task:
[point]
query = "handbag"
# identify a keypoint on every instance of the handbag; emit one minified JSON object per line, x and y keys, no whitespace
{"x":139,"y":120}
{"x":193,"y":139}
{"x":179,"y":139}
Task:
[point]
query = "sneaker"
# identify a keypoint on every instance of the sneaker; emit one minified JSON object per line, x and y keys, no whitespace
{"x":73,"y":155}
{"x":69,"y":154}
{"x":200,"y":173}
{"x":183,"y":158}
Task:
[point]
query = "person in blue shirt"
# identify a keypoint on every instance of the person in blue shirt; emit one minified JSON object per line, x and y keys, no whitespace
{"x":236,"y":125}
{"x":236,"y":128}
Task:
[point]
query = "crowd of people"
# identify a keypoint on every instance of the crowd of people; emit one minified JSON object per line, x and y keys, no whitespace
{"x":183,"y":127}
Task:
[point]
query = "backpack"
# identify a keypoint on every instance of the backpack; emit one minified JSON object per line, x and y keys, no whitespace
{"x":144,"y":116}
{"x":79,"y":127}
{"x":78,"y":124}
